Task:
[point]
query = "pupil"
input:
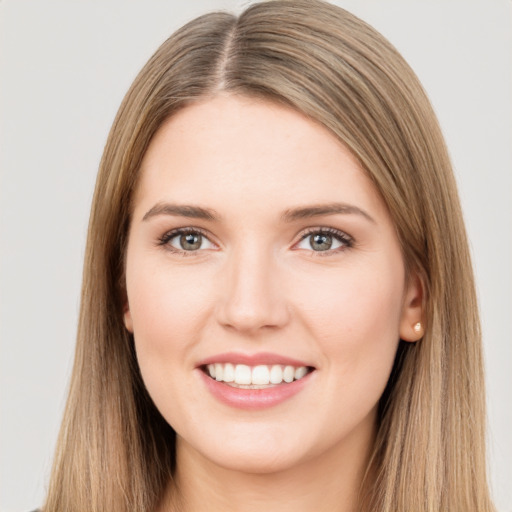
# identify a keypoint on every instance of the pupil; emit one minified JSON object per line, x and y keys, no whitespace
{"x":190,"y":242}
{"x":321,"y":242}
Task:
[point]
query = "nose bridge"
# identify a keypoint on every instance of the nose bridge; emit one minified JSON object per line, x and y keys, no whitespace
{"x":252,"y":294}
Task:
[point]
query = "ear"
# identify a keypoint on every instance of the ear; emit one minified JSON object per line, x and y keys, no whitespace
{"x":127,"y":317}
{"x":412,"y":326}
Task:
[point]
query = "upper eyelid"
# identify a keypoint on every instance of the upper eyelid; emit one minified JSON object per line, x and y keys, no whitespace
{"x":187,"y":229}
{"x":171,"y":233}
{"x":324,"y":229}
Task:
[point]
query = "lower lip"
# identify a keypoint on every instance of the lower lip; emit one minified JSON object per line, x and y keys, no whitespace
{"x":253,"y":399}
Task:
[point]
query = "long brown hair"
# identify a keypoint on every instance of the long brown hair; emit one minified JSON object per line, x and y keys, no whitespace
{"x":115,"y":451}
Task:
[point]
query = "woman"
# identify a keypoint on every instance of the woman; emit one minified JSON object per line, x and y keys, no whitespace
{"x":278,"y":306}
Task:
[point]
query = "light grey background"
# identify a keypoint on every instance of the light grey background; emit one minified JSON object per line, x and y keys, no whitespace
{"x":64,"y":67}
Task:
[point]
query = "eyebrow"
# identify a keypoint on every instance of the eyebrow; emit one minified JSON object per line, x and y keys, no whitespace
{"x":324,"y":209}
{"x":290,"y":215}
{"x":182,"y":210}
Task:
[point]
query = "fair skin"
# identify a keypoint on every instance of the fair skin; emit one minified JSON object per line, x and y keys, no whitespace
{"x":287,"y":256}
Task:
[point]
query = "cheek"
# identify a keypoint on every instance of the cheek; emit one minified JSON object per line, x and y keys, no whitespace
{"x":357,"y":327}
{"x":357,"y":299}
{"x":168,"y":307}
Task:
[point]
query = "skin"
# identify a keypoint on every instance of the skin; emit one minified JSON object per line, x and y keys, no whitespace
{"x":257,"y":285}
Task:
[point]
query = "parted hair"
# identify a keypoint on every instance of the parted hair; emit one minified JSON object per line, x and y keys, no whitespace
{"x":115,"y":451}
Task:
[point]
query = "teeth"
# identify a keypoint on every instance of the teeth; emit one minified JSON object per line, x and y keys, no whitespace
{"x":229,"y":373}
{"x":299,"y":372}
{"x":242,"y":374}
{"x":260,"y":375}
{"x":288,"y":373}
{"x":219,"y":371}
{"x":276,"y":374}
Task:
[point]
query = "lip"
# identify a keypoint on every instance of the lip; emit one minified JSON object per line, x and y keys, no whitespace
{"x":266,"y":358}
{"x":253,"y":399}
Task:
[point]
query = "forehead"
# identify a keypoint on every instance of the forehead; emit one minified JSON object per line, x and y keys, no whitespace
{"x":228,"y":150}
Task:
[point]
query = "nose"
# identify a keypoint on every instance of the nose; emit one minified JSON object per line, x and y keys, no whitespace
{"x":252,"y":295}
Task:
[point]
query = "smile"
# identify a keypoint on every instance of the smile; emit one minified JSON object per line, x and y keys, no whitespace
{"x":256,"y":381}
{"x":255,"y":377}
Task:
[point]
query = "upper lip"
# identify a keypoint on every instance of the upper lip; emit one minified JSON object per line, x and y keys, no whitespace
{"x":260,"y":358}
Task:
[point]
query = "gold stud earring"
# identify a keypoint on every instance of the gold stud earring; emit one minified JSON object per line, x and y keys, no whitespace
{"x":417,"y":328}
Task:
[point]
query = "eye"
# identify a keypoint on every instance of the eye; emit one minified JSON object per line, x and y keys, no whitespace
{"x":322,"y":240}
{"x":187,"y":240}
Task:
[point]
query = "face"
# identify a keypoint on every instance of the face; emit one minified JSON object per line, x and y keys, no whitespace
{"x":265,"y":287}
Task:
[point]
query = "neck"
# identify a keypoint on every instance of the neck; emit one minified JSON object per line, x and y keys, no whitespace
{"x":327,"y":483}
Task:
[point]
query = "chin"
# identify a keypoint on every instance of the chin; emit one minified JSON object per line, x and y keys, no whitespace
{"x":255,"y":451}
{"x":256,"y":462}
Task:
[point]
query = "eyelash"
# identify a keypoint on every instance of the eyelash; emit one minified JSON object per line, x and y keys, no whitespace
{"x":164,"y":240}
{"x":340,"y":236}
